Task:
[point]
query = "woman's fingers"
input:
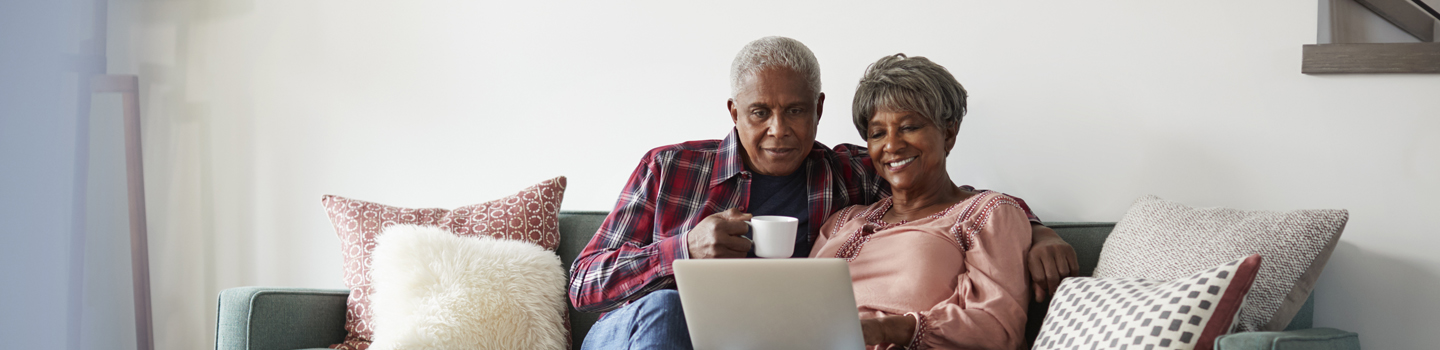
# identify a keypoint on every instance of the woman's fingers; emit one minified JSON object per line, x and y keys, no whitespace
{"x":870,"y":330}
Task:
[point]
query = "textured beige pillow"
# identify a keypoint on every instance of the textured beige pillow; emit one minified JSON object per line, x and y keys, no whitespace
{"x":1163,"y":240}
{"x":435,"y":290}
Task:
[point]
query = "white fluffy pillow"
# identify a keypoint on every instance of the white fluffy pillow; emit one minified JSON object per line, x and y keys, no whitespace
{"x":436,"y":290}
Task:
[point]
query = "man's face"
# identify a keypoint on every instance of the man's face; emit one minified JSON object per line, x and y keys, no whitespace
{"x":776,"y":115}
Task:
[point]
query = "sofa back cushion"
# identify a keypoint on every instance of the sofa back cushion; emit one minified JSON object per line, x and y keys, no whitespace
{"x":1087,"y":238}
{"x":577,"y":227}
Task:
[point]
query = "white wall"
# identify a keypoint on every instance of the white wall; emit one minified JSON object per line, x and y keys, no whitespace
{"x":41,"y":175}
{"x":257,"y":108}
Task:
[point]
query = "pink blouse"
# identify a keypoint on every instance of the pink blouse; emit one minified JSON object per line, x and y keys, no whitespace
{"x":960,"y":272}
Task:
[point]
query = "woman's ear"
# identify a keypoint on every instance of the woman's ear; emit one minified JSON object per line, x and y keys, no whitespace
{"x":950,"y":135}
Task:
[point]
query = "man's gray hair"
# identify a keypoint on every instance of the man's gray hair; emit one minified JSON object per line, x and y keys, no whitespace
{"x":911,"y":84}
{"x":774,"y":51}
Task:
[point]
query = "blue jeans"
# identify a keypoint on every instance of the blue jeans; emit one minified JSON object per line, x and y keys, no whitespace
{"x":654,"y":321}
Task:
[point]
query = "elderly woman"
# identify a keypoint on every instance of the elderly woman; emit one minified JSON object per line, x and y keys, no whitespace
{"x":935,"y":265}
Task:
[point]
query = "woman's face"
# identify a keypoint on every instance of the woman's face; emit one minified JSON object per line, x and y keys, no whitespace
{"x":909,"y":150}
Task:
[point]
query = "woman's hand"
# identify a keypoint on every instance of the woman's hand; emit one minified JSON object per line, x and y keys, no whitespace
{"x":888,"y":330}
{"x":1051,"y":260}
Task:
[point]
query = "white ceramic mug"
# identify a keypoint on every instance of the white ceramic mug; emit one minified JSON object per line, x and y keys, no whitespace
{"x":774,"y":235}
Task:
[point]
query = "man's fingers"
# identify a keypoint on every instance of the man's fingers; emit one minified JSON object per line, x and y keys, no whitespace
{"x":731,"y":228}
{"x":734,"y":214}
{"x":1074,"y":264}
{"x":1052,"y":276}
{"x":730,"y":222}
{"x":735,"y":244}
{"x":1037,"y":269}
{"x":1038,"y":276}
{"x":1063,"y":266}
{"x":1065,"y":260}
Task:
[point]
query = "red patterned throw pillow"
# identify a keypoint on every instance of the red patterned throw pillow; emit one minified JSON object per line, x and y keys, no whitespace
{"x":532,"y":215}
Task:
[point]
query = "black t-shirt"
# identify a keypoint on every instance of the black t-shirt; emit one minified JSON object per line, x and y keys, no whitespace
{"x":787,"y":196}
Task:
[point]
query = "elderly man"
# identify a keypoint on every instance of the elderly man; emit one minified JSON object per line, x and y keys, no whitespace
{"x":691,"y":201}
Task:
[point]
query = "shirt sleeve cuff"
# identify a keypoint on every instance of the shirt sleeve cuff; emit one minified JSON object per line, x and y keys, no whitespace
{"x":919,"y":336}
{"x":665,"y":252}
{"x":682,"y":250}
{"x":671,"y":249}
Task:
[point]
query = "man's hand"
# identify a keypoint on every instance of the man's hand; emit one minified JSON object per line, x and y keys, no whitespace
{"x":720,"y":236}
{"x":1051,"y":260}
{"x":888,"y":330}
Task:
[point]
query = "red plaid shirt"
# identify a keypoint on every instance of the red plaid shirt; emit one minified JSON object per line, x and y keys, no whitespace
{"x":675,"y":187}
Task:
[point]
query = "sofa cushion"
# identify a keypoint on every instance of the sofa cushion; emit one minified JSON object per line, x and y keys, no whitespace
{"x":1111,"y":313}
{"x":530,"y":215}
{"x":576,"y":229}
{"x":261,"y":318}
{"x":1304,"y":339}
{"x":1163,"y":240}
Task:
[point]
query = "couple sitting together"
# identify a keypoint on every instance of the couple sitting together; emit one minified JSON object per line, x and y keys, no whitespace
{"x":934,"y":265}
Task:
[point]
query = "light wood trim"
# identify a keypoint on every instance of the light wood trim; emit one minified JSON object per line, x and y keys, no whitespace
{"x":1371,"y":58}
{"x":1405,"y":15}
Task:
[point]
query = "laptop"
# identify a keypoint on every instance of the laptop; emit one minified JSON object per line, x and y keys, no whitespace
{"x":769,"y":304}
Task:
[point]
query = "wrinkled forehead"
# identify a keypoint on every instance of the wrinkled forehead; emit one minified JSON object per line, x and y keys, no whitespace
{"x":774,"y":81}
{"x":885,"y":114}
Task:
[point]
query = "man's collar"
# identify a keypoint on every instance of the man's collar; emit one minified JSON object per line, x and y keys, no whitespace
{"x":728,"y":161}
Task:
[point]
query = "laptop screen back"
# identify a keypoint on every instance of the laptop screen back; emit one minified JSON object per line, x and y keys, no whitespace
{"x":769,"y":304}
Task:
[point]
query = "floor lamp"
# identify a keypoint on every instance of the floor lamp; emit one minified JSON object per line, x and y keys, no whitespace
{"x":128,"y":86}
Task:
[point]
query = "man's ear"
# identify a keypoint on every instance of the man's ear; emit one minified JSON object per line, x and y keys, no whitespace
{"x":734,"y":114}
{"x":819,"y":107}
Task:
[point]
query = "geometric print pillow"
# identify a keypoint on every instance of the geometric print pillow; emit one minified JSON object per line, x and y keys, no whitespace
{"x":531,"y":215}
{"x":1133,"y":313}
{"x":1163,"y":240}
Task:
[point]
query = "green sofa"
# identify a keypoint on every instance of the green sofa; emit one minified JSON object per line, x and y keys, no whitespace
{"x":270,"y":318}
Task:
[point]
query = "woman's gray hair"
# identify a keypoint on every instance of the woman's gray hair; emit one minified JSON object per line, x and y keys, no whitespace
{"x":912,"y":84}
{"x":774,"y":51}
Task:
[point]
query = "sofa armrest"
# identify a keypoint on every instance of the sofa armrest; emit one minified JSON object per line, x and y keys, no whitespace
{"x":269,"y":318}
{"x":1313,"y":338}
